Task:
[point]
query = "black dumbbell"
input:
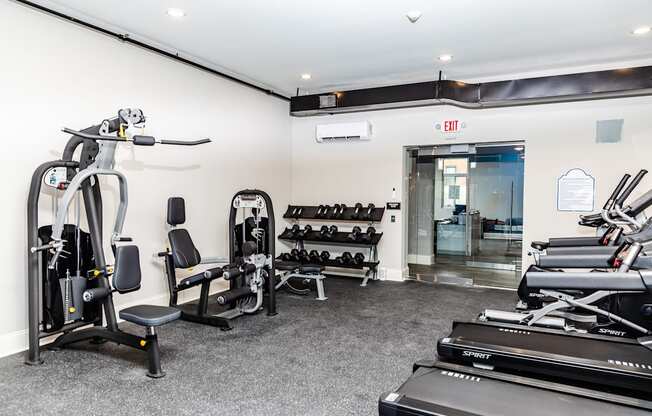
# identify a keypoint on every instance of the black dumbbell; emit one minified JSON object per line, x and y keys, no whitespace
{"x":356,"y":211}
{"x":369,"y":235}
{"x":345,"y":258}
{"x":325,"y":256}
{"x":320,"y":211}
{"x":294,"y":212}
{"x":358,"y":259}
{"x":331,"y":232}
{"x":324,"y":212}
{"x":323,"y":231}
{"x":305,"y":231}
{"x":355,"y":233}
{"x":294,"y":255}
{"x":370,"y":211}
{"x":336,"y":210}
{"x":313,"y":256}
{"x":294,"y":231}
{"x":286,"y":257}
{"x":303,"y":255}
{"x":299,"y":212}
{"x":342,"y":209}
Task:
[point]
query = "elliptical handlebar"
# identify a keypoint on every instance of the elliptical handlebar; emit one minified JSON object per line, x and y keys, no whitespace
{"x":630,"y":188}
{"x":137,"y":140}
{"x":614,"y":195}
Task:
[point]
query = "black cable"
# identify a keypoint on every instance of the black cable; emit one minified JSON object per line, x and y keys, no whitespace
{"x":126,"y":38}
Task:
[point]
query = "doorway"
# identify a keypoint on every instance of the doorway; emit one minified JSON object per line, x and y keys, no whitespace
{"x":465,"y":213}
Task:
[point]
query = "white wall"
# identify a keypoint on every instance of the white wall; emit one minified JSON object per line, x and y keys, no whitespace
{"x":558,"y":137}
{"x":55,"y":74}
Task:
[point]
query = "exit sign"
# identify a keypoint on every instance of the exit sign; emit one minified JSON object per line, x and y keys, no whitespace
{"x":450,"y":127}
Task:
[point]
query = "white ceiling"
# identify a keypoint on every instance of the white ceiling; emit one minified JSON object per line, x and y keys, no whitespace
{"x":360,"y":43}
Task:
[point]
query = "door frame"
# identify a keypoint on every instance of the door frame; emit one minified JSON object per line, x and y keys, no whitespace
{"x":443,"y":149}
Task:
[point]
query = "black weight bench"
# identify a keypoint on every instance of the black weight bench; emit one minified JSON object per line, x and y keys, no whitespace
{"x":289,"y":270}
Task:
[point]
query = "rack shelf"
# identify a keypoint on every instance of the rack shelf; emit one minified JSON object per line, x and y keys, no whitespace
{"x":309,"y":212}
{"x":340,"y":238}
{"x":335,"y":263}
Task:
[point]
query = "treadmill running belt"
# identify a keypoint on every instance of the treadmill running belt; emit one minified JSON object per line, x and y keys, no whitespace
{"x":445,"y":389}
{"x":609,"y":361}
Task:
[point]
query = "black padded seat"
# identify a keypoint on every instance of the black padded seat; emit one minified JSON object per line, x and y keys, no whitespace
{"x":539,"y":245}
{"x":184,"y":252}
{"x":311,"y":269}
{"x":150,"y":315}
{"x":286,"y":266}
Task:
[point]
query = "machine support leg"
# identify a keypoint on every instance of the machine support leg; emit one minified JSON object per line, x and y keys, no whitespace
{"x":321,"y":295}
{"x":154,"y":354}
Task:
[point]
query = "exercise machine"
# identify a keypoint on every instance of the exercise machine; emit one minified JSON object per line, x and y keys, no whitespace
{"x":87,"y":299}
{"x":247,"y":269}
{"x":438,"y":388}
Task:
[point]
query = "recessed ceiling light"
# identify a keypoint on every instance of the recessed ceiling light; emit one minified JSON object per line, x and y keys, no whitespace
{"x":643,"y":30}
{"x":445,"y":57}
{"x":306,"y":76}
{"x":176,"y":13}
{"x":413,"y":15}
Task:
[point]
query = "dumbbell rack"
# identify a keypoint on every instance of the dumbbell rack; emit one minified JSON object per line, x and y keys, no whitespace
{"x":340,"y":238}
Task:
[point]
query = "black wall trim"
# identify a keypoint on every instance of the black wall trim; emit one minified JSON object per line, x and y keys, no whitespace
{"x":127,"y":39}
{"x":617,"y":83}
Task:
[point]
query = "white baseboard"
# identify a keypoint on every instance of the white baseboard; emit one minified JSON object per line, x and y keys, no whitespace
{"x":17,"y":341}
{"x":394,"y":275}
{"x":13,"y":342}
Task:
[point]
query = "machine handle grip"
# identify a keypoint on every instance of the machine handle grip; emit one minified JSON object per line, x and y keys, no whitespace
{"x":49,"y":246}
{"x":632,"y":185}
{"x":610,"y":202}
{"x":139,"y":140}
{"x":185,"y":143}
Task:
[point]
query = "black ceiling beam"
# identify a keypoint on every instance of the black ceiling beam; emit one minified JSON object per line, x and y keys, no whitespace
{"x":617,"y":83}
{"x":124,"y":37}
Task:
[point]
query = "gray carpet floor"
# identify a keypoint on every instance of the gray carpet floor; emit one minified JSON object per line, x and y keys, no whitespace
{"x":313,"y":358}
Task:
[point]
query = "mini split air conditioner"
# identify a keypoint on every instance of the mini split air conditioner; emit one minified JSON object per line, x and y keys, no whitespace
{"x":325,"y":133}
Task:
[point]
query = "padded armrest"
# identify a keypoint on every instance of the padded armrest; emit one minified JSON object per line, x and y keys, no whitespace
{"x":593,"y":281}
{"x":584,"y":261}
{"x":574,"y":241}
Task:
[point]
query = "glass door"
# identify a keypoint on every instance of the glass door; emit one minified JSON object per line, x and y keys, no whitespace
{"x":465,"y":207}
{"x":496,"y":174}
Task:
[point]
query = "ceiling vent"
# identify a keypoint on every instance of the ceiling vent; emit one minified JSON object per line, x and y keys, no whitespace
{"x":343,"y":132}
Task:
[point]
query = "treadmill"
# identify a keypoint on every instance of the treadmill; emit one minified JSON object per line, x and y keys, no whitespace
{"x":602,"y":360}
{"x":501,"y":369}
{"x":614,"y":363}
{"x":447,"y":389}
